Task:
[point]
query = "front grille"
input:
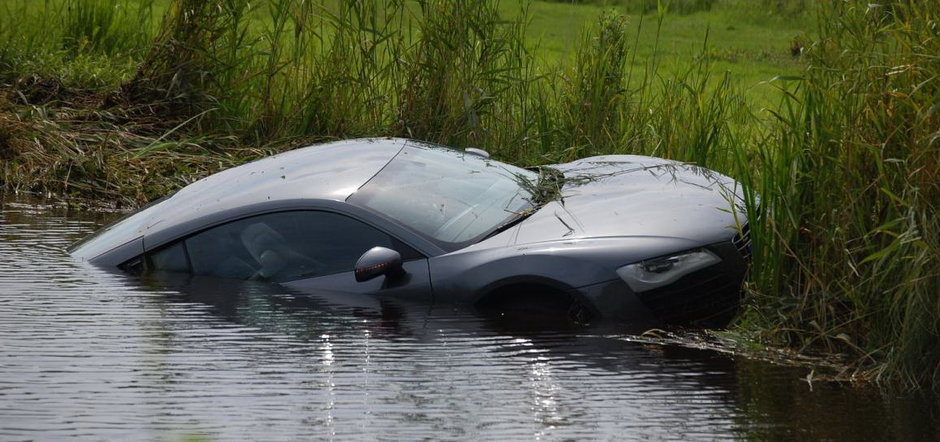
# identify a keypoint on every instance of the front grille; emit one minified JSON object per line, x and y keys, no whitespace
{"x":708,"y":297}
{"x":742,"y":242}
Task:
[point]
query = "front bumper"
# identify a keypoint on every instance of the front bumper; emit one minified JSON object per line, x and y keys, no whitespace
{"x":708,"y":297}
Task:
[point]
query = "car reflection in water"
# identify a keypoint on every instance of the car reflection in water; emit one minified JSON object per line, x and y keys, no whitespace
{"x":700,"y":393}
{"x":269,"y":307}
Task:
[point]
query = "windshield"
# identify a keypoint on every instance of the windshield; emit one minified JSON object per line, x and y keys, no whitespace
{"x":451,"y":197}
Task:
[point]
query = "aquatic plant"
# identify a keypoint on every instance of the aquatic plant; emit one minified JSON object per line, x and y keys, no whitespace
{"x":849,"y":259}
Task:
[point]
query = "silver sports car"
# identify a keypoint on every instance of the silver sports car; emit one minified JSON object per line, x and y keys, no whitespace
{"x":623,"y":237}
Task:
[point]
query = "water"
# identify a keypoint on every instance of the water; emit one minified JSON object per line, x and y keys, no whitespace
{"x":90,"y":354}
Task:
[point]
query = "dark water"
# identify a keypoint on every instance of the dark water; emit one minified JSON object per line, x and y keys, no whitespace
{"x":93,"y":355}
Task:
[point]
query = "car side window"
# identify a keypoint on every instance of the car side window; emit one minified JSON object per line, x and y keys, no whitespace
{"x":170,"y":259}
{"x":279,"y":246}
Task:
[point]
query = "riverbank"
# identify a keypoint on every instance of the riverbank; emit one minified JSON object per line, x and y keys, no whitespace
{"x":122,"y":108}
{"x":101,"y":101}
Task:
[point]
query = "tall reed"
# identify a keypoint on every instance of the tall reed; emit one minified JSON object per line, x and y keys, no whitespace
{"x":850,"y":184}
{"x":111,"y":28}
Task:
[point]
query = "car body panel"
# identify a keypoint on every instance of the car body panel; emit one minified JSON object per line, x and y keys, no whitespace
{"x":465,"y":276}
{"x":287,"y":180}
{"x":612,"y":211}
{"x":630,"y":195}
{"x":413,"y":285}
{"x":117,"y":255}
{"x":324,"y":173}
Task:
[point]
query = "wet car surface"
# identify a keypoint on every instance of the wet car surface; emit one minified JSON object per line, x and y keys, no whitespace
{"x":630,"y":238}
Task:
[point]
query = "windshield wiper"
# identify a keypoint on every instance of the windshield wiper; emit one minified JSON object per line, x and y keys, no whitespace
{"x":511,"y":223}
{"x":546,"y":188}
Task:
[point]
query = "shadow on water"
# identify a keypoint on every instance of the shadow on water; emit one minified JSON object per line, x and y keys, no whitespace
{"x":307,"y":316}
{"x":92,"y":354}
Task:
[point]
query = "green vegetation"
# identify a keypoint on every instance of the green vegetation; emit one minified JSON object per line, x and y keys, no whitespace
{"x":850,"y":181}
{"x":753,"y":40}
{"x":107,"y":100}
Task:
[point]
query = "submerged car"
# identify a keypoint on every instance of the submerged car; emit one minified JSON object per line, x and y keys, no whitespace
{"x":623,"y":237}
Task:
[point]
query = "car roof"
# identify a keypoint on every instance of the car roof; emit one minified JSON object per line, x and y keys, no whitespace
{"x":325,"y":172}
{"x":331,"y":171}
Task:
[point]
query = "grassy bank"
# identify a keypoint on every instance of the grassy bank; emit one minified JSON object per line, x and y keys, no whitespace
{"x":217,"y":76}
{"x":127,"y":102}
{"x":850,"y":180}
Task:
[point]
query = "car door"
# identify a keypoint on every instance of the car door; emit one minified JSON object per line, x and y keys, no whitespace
{"x":308,"y":250}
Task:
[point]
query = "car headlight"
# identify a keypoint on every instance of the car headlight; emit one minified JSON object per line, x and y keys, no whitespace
{"x":659,"y":272}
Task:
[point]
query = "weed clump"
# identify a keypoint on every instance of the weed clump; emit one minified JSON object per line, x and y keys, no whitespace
{"x":597,"y":94}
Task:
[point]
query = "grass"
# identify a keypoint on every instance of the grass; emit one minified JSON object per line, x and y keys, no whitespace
{"x":842,"y":146}
{"x":850,"y":190}
{"x":752,"y":43}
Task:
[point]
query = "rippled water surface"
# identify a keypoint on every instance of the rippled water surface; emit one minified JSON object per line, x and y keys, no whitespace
{"x":89,"y":354}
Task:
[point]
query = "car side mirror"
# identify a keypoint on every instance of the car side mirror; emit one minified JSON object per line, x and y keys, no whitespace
{"x":378,"y":261}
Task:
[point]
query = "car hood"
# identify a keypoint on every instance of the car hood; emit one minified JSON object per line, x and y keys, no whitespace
{"x":629,"y":195}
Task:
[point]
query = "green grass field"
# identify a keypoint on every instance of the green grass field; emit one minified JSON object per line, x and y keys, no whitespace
{"x":754,"y":46}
